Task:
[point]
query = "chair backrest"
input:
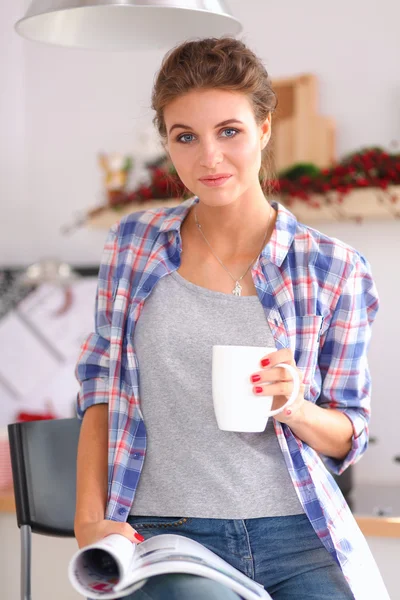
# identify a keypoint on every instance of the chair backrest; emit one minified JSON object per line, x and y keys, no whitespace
{"x":43,"y":460}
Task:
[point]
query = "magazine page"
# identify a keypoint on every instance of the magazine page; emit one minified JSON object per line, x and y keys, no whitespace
{"x":170,"y":553}
{"x":114,"y":567}
{"x":95,"y":570}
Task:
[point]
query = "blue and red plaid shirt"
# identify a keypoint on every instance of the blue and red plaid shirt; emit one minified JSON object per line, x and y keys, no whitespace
{"x":319,"y":300}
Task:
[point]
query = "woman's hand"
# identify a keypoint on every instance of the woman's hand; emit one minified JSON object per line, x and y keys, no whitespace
{"x":91,"y":532}
{"x":327,"y":431}
{"x":277,"y":382}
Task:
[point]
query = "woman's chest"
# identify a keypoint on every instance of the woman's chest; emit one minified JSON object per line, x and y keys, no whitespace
{"x":204,"y":269}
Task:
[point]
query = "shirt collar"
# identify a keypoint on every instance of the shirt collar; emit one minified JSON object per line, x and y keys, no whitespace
{"x":282,"y":236}
{"x":174,"y":221}
{"x":276,"y":249}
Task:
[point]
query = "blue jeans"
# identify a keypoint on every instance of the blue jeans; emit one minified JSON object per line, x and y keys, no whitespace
{"x":284,"y":554}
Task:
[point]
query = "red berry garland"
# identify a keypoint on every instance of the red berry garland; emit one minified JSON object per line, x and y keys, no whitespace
{"x":371,"y":167}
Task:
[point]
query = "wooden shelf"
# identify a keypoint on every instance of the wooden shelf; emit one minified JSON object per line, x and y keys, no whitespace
{"x":368,"y":204}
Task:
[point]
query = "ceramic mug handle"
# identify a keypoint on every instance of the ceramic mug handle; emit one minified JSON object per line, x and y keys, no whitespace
{"x":295,"y":392}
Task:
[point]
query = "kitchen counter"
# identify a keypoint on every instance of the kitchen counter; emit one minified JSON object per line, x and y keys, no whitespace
{"x":376,"y":509}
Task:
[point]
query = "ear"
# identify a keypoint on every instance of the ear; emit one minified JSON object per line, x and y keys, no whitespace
{"x":265,"y":131}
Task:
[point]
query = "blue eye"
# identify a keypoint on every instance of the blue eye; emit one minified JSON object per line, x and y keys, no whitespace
{"x":233,"y":131}
{"x":187,"y":138}
{"x":182,"y":137}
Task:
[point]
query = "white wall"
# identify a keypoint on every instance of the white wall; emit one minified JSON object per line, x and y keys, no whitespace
{"x":12,"y":128}
{"x":60,"y":107}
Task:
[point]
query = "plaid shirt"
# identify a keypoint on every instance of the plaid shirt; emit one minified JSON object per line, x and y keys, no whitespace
{"x":319,"y":300}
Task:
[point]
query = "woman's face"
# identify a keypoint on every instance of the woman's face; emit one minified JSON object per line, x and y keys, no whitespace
{"x":212,"y":132}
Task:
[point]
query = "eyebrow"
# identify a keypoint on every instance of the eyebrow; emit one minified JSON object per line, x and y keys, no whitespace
{"x":181,"y":126}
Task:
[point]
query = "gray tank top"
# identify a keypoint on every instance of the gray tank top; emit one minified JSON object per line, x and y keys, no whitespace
{"x":192,"y":469}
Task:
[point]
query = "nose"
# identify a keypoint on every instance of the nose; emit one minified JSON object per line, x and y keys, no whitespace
{"x":210,"y":155}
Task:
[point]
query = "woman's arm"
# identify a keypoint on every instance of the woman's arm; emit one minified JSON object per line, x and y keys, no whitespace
{"x":328,"y":432}
{"x":337,"y":425}
{"x":91,"y":480}
{"x":92,"y":372}
{"x":343,"y":363}
{"x":91,"y":493}
{"x":92,"y":368}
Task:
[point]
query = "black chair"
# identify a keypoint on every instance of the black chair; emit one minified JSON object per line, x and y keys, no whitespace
{"x":43,"y":460}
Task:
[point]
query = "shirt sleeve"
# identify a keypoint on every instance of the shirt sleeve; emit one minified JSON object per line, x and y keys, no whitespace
{"x":346,"y":382}
{"x":92,"y":369}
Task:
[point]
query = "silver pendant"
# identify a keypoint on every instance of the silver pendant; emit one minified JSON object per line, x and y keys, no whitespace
{"x":237,"y":290}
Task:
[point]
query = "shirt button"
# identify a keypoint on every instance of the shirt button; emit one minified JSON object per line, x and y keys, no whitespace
{"x":146,"y":288}
{"x":122,"y":511}
{"x":137,"y":455}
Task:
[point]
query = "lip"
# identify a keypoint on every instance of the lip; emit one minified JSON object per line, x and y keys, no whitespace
{"x":215,"y":180}
{"x":216,"y":176}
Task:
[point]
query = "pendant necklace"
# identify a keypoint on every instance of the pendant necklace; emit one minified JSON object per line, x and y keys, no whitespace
{"x":237,"y":290}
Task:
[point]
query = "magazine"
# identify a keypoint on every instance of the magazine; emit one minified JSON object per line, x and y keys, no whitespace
{"x":115,"y":567}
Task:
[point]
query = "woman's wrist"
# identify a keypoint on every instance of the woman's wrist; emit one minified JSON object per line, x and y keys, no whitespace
{"x":327,"y":431}
{"x":87,"y":517}
{"x":299,"y":417}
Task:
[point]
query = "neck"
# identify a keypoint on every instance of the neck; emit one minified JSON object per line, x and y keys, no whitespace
{"x":238,"y":228}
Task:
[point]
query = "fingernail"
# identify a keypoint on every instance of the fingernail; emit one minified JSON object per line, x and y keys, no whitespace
{"x":258,"y":389}
{"x":288,"y":411}
{"x":139,"y":537}
{"x":265,"y":362}
{"x":255,"y":378}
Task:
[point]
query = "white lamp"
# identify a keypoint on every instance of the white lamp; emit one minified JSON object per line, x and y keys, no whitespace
{"x":125,"y":24}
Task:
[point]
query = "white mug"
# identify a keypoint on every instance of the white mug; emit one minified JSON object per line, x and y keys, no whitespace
{"x":236,"y":406}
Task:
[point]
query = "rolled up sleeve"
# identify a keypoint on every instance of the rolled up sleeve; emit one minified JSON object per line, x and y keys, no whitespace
{"x":92,"y":368}
{"x":346,"y":381}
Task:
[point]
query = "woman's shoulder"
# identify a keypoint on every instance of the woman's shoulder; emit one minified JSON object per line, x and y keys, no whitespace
{"x":325,"y":260}
{"x":150,"y":222}
{"x":325,"y":251}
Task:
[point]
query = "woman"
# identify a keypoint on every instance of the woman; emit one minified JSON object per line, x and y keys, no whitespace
{"x":227,"y":267}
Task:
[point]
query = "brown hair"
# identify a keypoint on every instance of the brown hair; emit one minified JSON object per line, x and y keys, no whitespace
{"x":217,"y":63}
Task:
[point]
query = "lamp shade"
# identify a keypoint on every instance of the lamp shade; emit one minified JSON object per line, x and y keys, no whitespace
{"x":125,"y":24}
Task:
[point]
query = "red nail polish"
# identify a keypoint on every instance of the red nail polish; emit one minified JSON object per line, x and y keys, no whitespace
{"x":255,"y":378}
{"x":288,"y":412}
{"x":139,"y":537}
{"x":258,"y":389}
{"x":265,"y":362}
